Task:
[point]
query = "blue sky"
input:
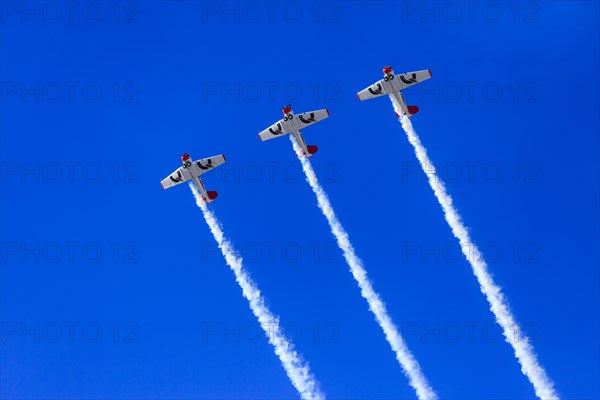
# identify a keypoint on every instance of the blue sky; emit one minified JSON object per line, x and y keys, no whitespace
{"x":112,"y":288}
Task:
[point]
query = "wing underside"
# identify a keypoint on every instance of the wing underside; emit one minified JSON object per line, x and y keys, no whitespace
{"x":180,"y":175}
{"x":279,"y":128}
{"x":309,"y":118}
{"x":393,"y":83}
{"x":206,"y":164}
{"x":377,"y":89}
{"x":192,"y":169}
{"x":411,"y":78}
{"x":292,"y":123}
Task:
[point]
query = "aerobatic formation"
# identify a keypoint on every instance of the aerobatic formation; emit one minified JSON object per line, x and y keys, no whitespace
{"x":297,"y":369}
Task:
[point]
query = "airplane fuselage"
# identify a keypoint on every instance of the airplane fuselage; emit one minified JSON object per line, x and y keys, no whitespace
{"x":396,"y":88}
{"x":300,"y":139}
{"x":191,"y":170}
{"x":201,"y":188}
{"x":398,"y":96}
{"x":295,"y":124}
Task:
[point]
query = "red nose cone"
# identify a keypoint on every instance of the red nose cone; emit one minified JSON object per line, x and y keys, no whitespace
{"x":286,"y":109}
{"x":387,"y":70}
{"x":185,"y":157}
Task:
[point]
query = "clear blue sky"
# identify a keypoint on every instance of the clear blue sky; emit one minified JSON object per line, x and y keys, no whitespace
{"x":113,"y":288}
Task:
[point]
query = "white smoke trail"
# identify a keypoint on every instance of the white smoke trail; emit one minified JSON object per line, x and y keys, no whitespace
{"x":544,"y":387}
{"x":296,"y":368}
{"x":407,"y":361}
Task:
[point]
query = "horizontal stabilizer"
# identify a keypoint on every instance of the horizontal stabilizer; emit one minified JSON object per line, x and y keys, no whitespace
{"x":212,"y":194}
{"x":312,"y":149}
{"x":412,"y":110}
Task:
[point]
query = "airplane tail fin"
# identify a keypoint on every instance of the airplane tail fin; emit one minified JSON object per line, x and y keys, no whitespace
{"x":212,"y":194}
{"x":412,"y":110}
{"x":312,"y":149}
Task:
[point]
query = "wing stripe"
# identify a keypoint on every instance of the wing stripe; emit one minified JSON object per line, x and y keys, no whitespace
{"x":205,"y":167}
{"x":411,"y":80}
{"x":376,"y":91}
{"x":178,"y":179}
{"x":308,"y":120}
{"x":276,"y":132}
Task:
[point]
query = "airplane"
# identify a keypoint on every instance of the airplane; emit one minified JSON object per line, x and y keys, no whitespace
{"x":393,"y":84}
{"x":192,"y":170}
{"x":292,"y":123}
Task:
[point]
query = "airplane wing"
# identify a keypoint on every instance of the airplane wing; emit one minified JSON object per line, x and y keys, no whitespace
{"x":379,"y":88}
{"x":393,"y":84}
{"x":299,"y":121}
{"x":277,"y":129}
{"x":206,"y":164}
{"x":410,"y":78}
{"x":180,"y":175}
{"x":309,"y":118}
